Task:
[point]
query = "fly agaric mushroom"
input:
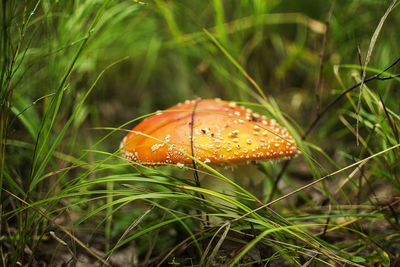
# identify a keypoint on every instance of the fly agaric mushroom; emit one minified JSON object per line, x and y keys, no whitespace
{"x":210,"y":130}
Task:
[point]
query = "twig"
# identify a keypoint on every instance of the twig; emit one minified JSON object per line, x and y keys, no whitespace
{"x":368,"y":58}
{"x":196,"y":175}
{"x":327,"y":108}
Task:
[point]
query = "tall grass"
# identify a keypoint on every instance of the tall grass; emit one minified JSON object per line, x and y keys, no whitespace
{"x":75,"y":76}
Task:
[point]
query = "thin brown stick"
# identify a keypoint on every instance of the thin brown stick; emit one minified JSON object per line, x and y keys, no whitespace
{"x":319,"y":116}
{"x":196,"y":175}
{"x":368,"y":58}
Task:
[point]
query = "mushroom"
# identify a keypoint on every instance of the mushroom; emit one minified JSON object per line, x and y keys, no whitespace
{"x":210,"y":130}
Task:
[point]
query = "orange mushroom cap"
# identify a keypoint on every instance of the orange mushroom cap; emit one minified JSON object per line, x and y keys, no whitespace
{"x":223,"y":132}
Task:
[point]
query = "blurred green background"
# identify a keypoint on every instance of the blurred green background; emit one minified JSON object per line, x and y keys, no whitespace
{"x":168,"y":58}
{"x":71,"y":68}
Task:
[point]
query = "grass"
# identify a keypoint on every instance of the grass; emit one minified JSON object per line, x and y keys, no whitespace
{"x":76,"y":76}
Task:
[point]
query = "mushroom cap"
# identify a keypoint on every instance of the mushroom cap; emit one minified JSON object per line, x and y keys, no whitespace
{"x":223,"y":132}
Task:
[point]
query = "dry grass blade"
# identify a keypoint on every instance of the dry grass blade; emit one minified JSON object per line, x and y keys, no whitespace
{"x":368,"y":57}
{"x":216,"y":247}
{"x":62,"y":228}
{"x":130,"y":228}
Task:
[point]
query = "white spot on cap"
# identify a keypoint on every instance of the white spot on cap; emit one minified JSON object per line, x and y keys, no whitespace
{"x":233,"y":133}
{"x":156,"y":147}
{"x":180,"y":165}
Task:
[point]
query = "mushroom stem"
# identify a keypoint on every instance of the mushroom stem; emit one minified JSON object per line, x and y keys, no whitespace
{"x":246,"y":175}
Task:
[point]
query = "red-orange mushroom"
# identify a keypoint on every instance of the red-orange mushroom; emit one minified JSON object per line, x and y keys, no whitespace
{"x":223,"y":132}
